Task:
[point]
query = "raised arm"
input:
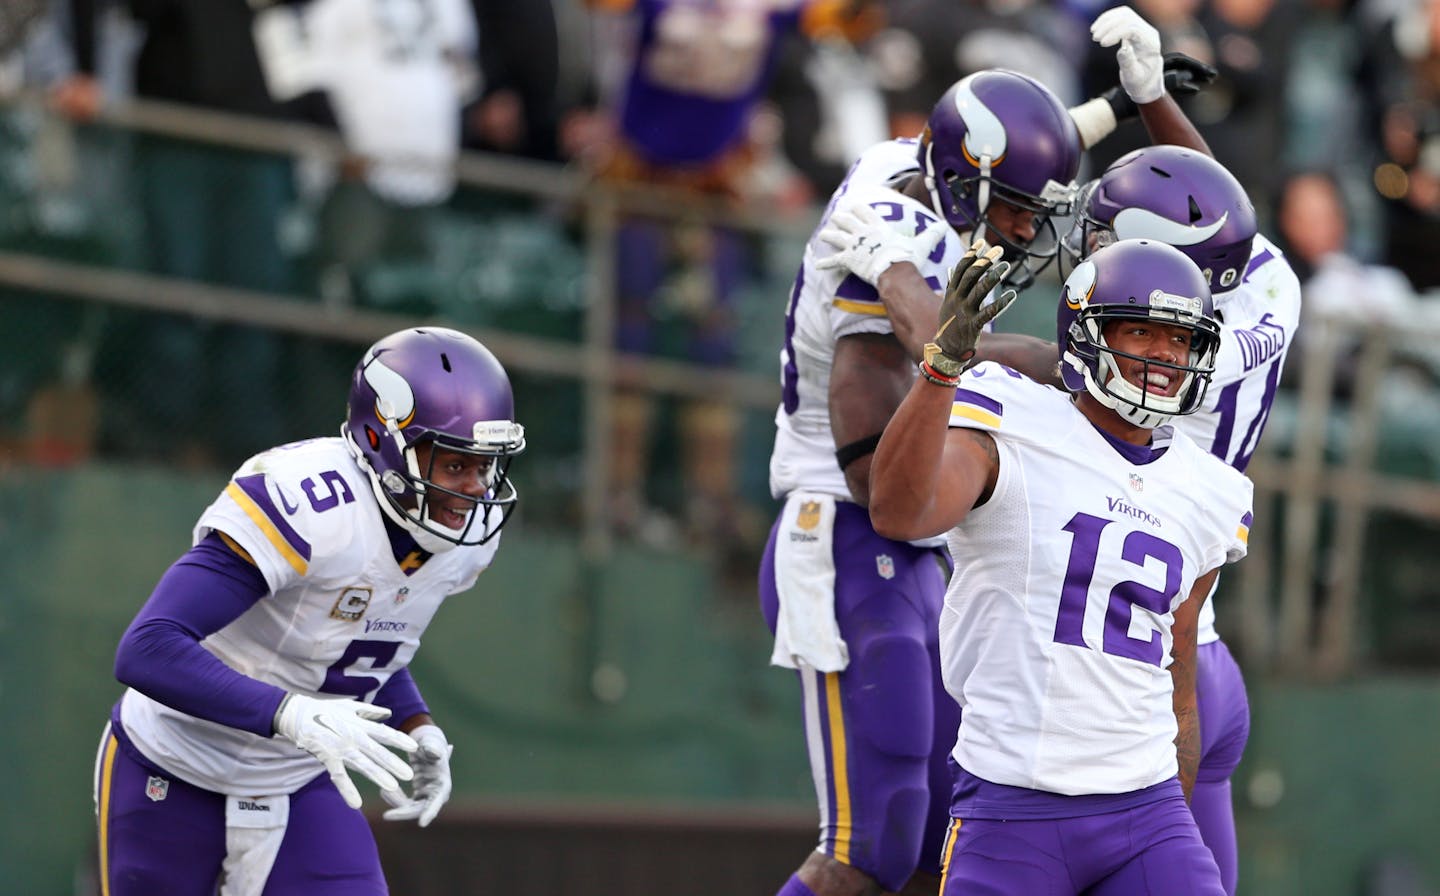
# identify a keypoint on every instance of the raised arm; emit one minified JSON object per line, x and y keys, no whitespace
{"x":875,"y":251}
{"x":883,"y":254}
{"x":926,"y":477}
{"x":1167,"y":123}
{"x":1182,"y":675}
{"x":1149,"y":83}
{"x":912,"y":306}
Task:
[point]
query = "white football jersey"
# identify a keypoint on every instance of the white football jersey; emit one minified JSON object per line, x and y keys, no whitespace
{"x":1258,"y":320}
{"x":341,"y":618}
{"x":828,"y":304}
{"x":1056,"y":633}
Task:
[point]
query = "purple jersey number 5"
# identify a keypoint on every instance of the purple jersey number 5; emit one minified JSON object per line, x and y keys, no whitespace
{"x":338,"y":679}
{"x":1124,"y":597}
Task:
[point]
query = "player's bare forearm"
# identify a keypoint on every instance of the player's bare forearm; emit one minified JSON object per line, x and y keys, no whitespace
{"x":1036,"y":358}
{"x":913,"y":307}
{"x":1187,"y":717}
{"x":1182,"y":676}
{"x":1167,"y":123}
{"x":869,"y":377}
{"x":906,"y":468}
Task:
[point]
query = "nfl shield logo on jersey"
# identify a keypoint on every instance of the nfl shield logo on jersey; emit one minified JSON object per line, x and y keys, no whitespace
{"x":809,"y":516}
{"x":885,"y":566}
{"x":156,"y":788}
{"x":1136,"y":482}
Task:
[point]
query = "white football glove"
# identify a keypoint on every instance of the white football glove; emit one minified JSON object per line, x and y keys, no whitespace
{"x":431,"y":763}
{"x":868,"y":245}
{"x":1142,"y":70}
{"x":344,"y":733}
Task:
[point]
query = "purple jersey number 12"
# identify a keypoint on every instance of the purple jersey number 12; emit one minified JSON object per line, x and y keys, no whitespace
{"x":1124,"y":597}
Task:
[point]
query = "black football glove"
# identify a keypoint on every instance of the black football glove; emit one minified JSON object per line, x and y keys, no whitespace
{"x":1184,"y":76}
{"x":961,"y":316}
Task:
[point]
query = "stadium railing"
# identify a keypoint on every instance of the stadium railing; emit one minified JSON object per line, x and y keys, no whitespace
{"x":1320,"y":470}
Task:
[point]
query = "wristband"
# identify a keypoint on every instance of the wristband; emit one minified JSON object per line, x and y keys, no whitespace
{"x":937,"y":377}
{"x":1094,"y":120}
{"x":279,"y":711}
{"x":944,"y":364}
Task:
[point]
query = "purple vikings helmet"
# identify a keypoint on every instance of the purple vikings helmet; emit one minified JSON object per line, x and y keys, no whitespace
{"x":1174,"y":195}
{"x":437,"y":385}
{"x":997,"y":134}
{"x":1144,"y":279}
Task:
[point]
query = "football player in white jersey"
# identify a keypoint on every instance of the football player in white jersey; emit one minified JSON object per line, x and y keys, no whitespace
{"x":271,"y":659}
{"x":1174,"y":194}
{"x":1185,"y":198}
{"x":854,"y":613}
{"x":1083,"y":550}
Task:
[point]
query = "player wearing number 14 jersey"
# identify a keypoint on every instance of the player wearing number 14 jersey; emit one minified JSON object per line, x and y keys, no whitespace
{"x":272,"y":651}
{"x":1086,"y":533}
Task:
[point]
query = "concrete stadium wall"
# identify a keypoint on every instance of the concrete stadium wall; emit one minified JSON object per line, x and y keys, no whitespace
{"x":620,"y":714}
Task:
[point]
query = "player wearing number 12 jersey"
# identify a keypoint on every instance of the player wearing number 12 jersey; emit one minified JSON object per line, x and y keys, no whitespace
{"x":272,"y":651}
{"x":1086,"y":533}
{"x":1181,"y":196}
{"x":853,"y":613}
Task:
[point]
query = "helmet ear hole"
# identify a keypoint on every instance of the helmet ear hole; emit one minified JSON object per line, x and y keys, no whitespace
{"x":372,"y":437}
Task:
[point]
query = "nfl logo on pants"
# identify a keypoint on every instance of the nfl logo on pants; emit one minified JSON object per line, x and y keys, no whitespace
{"x":156,"y":788}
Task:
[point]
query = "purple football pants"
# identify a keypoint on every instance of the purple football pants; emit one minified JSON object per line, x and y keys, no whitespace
{"x":1224,"y":729}
{"x":1149,"y":850}
{"x":880,"y":731}
{"x":174,"y":845}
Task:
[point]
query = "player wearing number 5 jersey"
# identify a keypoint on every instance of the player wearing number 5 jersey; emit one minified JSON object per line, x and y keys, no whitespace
{"x":1086,"y":533}
{"x":271,"y":659}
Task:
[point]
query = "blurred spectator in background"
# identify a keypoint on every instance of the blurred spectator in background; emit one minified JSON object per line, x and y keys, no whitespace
{"x":931,"y":44}
{"x":1406,"y":60}
{"x":1327,"y":126}
{"x":1345,"y":296}
{"x":680,"y":91}
{"x":17,"y":17}
{"x":59,"y":188}
{"x":1323,"y":115}
{"x":826,"y":92}
{"x":1337,"y":285}
{"x":210,"y":214}
{"x":517,"y":111}
{"x":396,"y":73}
{"x":1241,"y":115}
